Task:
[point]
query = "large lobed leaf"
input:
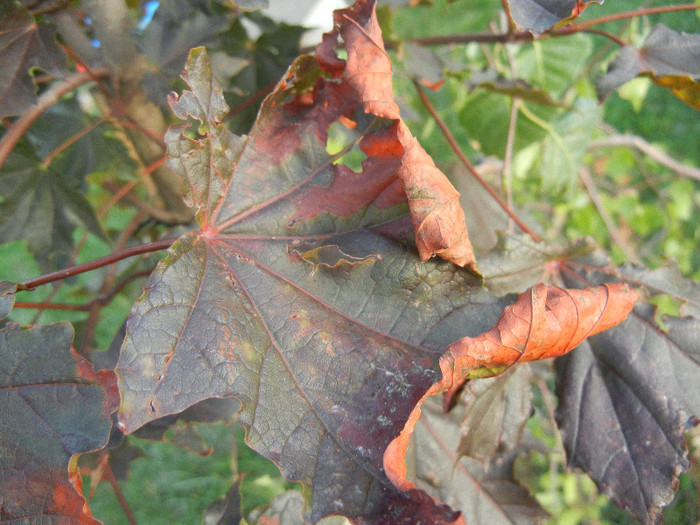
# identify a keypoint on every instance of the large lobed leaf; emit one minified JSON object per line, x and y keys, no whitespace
{"x":53,"y":408}
{"x":303,"y":294}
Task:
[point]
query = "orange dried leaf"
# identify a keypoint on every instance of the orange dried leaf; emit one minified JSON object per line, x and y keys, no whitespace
{"x":437,"y":217}
{"x":544,"y":322}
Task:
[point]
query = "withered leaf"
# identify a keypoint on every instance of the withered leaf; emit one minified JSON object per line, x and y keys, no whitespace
{"x":544,"y":322}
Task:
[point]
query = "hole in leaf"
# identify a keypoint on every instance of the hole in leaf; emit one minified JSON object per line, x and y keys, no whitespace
{"x":342,"y":143}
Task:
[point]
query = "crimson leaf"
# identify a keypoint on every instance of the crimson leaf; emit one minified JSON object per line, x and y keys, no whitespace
{"x":53,"y":408}
{"x":672,"y":59}
{"x":327,"y":362}
{"x":24,"y":45}
{"x":302,"y":294}
{"x":626,"y":397}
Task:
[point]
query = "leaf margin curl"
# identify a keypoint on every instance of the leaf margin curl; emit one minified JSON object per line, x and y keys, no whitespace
{"x":480,"y":357}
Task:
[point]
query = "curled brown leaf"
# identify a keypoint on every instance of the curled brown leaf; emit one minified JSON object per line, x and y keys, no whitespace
{"x":545,"y":321}
{"x":437,"y":217}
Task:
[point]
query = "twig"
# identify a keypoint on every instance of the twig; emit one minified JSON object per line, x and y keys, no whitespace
{"x":108,"y":475}
{"x":101,"y":299}
{"x":510,"y":138}
{"x":45,"y":101}
{"x":607,"y":219}
{"x":484,"y":38}
{"x":455,"y":147}
{"x":164,"y":216}
{"x":108,"y":281}
{"x":53,"y":306}
{"x":648,"y":149}
{"x":634,"y":14}
{"x":97,"y":263}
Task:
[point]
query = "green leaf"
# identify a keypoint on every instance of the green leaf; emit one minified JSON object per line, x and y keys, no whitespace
{"x":554,"y":64}
{"x":485,"y":118}
{"x":24,"y":45}
{"x":566,"y":143}
{"x":53,"y":407}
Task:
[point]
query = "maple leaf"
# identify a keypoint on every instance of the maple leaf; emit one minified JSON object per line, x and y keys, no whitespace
{"x":670,"y":58}
{"x":302,"y":294}
{"x":24,"y":45}
{"x":626,"y":397}
{"x":54,"y":407}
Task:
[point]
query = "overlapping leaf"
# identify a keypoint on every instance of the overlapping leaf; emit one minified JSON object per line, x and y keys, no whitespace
{"x":672,"y":60}
{"x":541,"y":15}
{"x":53,"y":408}
{"x":496,"y":411}
{"x":625,"y":399}
{"x":484,"y":490}
{"x":302,"y":294}
{"x":42,"y":206}
{"x":24,"y":45}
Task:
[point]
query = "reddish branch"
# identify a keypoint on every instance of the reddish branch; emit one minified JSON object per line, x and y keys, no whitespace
{"x":633,"y":14}
{"x":462,"y":157}
{"x":97,"y":263}
{"x":45,"y":101}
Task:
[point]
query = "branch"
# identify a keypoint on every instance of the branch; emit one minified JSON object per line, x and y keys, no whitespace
{"x":47,"y":99}
{"x":607,"y":219}
{"x":97,"y":263}
{"x":648,"y":149}
{"x":633,"y":14}
{"x":462,"y":157}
